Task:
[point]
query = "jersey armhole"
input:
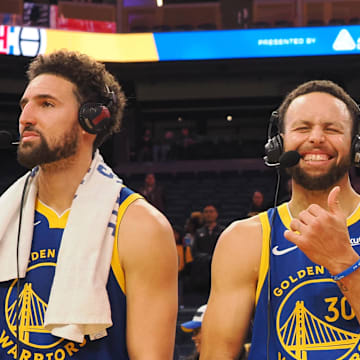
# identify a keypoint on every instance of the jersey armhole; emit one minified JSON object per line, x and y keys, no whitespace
{"x":115,"y":262}
{"x":264,"y":261}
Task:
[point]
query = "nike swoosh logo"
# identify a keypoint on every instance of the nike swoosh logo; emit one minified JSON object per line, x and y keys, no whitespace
{"x":37,"y":223}
{"x":278,"y":252}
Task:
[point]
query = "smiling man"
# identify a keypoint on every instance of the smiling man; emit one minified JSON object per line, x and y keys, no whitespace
{"x":296,"y":265}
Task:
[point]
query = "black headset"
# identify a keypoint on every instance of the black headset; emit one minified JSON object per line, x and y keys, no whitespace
{"x":95,"y":118}
{"x":274,"y":146}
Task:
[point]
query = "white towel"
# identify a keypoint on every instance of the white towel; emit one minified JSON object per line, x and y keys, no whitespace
{"x":78,"y":303}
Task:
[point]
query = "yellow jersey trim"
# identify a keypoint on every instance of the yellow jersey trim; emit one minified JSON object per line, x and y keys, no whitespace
{"x":354,"y":217}
{"x":285,"y":215}
{"x":115,"y":262}
{"x":264,"y":261}
{"x":55,"y":221}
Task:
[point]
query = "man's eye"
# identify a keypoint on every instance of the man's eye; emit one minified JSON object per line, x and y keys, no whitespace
{"x":47,"y":104}
{"x":332,"y":130}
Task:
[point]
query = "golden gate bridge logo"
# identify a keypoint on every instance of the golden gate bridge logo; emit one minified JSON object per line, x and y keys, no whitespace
{"x":31,"y":314}
{"x":31,"y":309}
{"x":303,"y":332}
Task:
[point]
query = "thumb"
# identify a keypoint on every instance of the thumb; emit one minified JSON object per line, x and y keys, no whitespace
{"x":333,"y":200}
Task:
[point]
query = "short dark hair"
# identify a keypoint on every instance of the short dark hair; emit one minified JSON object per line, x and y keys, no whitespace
{"x":324,"y":86}
{"x":210,"y":205}
{"x":91,"y":79}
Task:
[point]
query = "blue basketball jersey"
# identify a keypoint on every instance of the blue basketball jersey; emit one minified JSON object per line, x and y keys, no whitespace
{"x":36,"y":343}
{"x":309,"y":318}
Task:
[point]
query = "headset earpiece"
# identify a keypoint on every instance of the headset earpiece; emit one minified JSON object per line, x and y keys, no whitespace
{"x":355,"y":150}
{"x":355,"y":144}
{"x":274,"y":145}
{"x":95,"y":118}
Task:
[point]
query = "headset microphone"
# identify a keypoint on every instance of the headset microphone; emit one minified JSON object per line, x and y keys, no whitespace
{"x":289,"y":159}
{"x":286,"y":160}
{"x":6,"y":139}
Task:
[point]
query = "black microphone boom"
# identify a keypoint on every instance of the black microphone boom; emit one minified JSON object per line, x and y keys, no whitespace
{"x":289,"y":159}
{"x":5,"y":139}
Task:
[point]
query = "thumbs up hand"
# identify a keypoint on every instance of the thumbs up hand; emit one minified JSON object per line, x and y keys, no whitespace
{"x":323,"y":235}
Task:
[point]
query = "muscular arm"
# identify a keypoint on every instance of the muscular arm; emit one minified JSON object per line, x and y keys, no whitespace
{"x":148,"y":255}
{"x":234,"y":277}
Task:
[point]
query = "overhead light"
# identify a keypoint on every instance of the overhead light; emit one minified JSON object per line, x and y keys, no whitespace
{"x":229,"y":118}
{"x":159,"y":3}
{"x":179,"y":119}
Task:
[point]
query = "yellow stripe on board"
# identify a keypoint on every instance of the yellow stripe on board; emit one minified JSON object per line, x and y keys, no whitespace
{"x":104,"y":47}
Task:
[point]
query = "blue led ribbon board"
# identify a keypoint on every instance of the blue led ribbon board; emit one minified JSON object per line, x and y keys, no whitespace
{"x":183,"y":46}
{"x":258,"y":43}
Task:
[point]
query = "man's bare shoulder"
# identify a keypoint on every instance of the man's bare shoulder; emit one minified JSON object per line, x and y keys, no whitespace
{"x":143,"y":227}
{"x":144,"y":215}
{"x":240,"y":232}
{"x":239,"y":247}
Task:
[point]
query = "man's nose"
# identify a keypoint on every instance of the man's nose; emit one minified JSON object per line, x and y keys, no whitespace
{"x":27,"y":115}
{"x":316,"y":135}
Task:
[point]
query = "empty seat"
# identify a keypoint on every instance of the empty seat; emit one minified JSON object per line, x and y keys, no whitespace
{"x":260,"y":24}
{"x":283,"y":23}
{"x":139,"y":29}
{"x":336,"y":21}
{"x":207,"y":26}
{"x":162,"y":28}
{"x":354,"y":21}
{"x":315,"y":22}
{"x":184,"y":27}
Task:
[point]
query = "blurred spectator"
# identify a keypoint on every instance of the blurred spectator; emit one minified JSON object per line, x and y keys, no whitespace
{"x":205,"y":241}
{"x":163,"y":149}
{"x":145,"y":148}
{"x":179,"y":246}
{"x":185,"y":144}
{"x":194,"y":326}
{"x":153,"y":192}
{"x":207,"y":235}
{"x":257,"y":203}
{"x":194,"y":222}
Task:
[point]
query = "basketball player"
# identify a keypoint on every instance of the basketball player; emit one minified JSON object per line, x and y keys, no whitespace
{"x":303,"y":283}
{"x":97,"y":263}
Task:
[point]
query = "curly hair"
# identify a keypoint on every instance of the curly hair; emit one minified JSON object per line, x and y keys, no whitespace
{"x":324,"y":86}
{"x":91,"y":79}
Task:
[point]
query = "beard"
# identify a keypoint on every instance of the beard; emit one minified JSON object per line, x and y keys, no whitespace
{"x":320,"y":182}
{"x":30,"y":155}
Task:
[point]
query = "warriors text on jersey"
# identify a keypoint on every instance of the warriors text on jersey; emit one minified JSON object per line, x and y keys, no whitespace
{"x":31,"y":302}
{"x":309,"y":318}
